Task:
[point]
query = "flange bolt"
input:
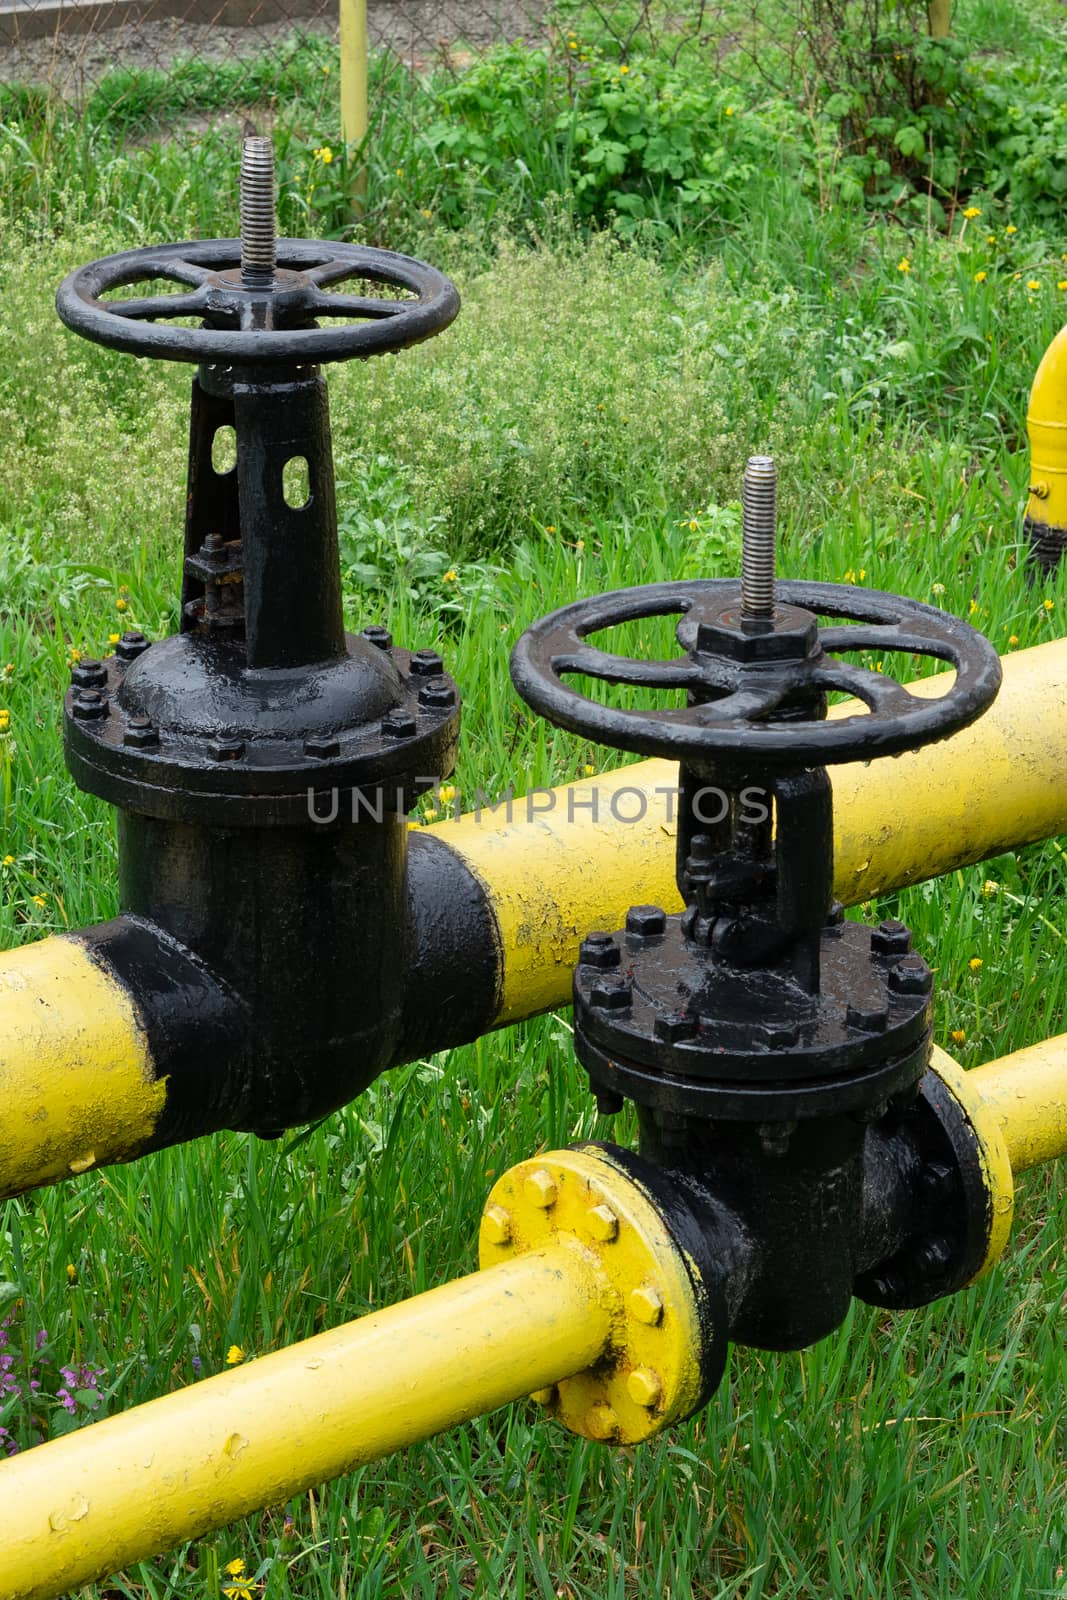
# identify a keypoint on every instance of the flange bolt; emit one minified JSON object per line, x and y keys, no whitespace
{"x":398,"y":725}
{"x":427,"y":664}
{"x":646,"y":922}
{"x":437,"y":696}
{"x":891,"y":938}
{"x":379,"y":636}
{"x":911,"y":976}
{"x":599,"y":950}
{"x":140,"y":733}
{"x":88,"y":674}
{"x":131,"y":645}
{"x":89,"y":704}
{"x":611,"y":993}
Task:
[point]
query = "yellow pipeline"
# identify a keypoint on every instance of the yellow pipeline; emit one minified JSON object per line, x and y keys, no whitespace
{"x":1046,"y":423}
{"x":1027,"y":1094}
{"x":76,"y":1081}
{"x":83,"y":1506}
{"x":560,"y":868}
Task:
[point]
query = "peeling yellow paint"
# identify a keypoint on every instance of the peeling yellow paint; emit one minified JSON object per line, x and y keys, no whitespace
{"x":76,"y":1081}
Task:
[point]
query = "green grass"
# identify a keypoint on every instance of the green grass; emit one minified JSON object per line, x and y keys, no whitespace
{"x":583,"y":426}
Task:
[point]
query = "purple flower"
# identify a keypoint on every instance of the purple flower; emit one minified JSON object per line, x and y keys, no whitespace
{"x":42,"y":1338}
{"x":197,"y":1364}
{"x":67,"y":1400}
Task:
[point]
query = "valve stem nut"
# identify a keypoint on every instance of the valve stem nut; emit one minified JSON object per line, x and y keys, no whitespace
{"x":599,"y":950}
{"x":891,"y":938}
{"x":88,"y":674}
{"x":646,"y":922}
{"x":427,"y":664}
{"x":90,"y":704}
{"x":140,"y":732}
{"x":911,"y":975}
{"x":611,"y":993}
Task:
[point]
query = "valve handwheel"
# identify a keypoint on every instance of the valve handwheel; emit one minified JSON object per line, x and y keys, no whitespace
{"x":259,"y":297}
{"x":741,"y":671}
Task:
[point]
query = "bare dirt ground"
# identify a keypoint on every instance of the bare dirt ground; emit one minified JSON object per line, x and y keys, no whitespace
{"x":417,"y":30}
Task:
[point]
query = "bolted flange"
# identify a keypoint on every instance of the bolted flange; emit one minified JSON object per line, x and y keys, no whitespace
{"x":668,"y":1345}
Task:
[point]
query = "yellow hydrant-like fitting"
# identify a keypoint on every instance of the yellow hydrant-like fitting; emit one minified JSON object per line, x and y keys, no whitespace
{"x":606,"y":1301}
{"x":1046,"y":423}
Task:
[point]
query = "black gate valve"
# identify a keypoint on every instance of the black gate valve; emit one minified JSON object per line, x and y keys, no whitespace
{"x":774,"y":1050}
{"x":263,"y":760}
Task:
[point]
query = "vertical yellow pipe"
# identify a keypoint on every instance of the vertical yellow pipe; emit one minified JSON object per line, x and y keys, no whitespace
{"x":1027,"y":1094}
{"x":88,"y":1504}
{"x":1046,"y":424}
{"x":354,"y":122}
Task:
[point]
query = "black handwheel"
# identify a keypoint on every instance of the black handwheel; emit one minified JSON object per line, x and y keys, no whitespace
{"x":245,"y":326}
{"x":739,"y":677}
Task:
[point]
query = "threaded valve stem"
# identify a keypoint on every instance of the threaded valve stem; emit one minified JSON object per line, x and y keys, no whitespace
{"x":758,"y":528}
{"x":258,"y":227}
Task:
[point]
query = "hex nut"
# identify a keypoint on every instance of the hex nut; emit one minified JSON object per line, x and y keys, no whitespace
{"x":398,"y":725}
{"x":140,"y":733}
{"x":226,"y":749}
{"x":599,"y":950}
{"x":611,"y":993}
{"x":377,"y":635}
{"x":90,"y":704}
{"x":427,"y":664}
{"x":646,"y":922}
{"x":601,"y":1422}
{"x":911,"y":975}
{"x":496,"y":1225}
{"x":601,"y":1223}
{"x":88,"y":674}
{"x":540,"y":1189}
{"x":644,"y":1387}
{"x":891,"y":938}
{"x":322,"y":747}
{"x":646,"y":1305}
{"x":131,"y":645}
{"x":673,"y":1026}
{"x":437,"y":695}
{"x":867,"y":1018}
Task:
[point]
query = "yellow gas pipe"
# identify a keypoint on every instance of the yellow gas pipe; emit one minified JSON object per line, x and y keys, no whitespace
{"x":1046,"y":422}
{"x":583,"y":1283}
{"x":1027,"y":1094}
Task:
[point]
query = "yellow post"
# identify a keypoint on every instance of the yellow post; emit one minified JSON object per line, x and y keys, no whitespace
{"x":354,"y":112}
{"x":939,"y":18}
{"x":84,"y":1506}
{"x":1027,"y":1094}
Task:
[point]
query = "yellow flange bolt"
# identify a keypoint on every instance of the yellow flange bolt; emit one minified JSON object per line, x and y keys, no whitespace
{"x":667,"y":1344}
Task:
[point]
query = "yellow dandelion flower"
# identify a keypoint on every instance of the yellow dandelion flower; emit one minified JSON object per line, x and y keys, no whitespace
{"x":572,"y":44}
{"x":975,"y":963}
{"x":9,"y":669}
{"x":121,"y":604}
{"x":849,"y":576}
{"x":113,"y":638}
{"x":427,"y":215}
{"x":973,"y":607}
{"x":1014,"y":640}
{"x":40,"y":900}
{"x":235,"y":1567}
{"x":9,"y":861}
{"x":430,"y":814}
{"x":75,"y":655}
{"x":979,"y":277}
{"x":550,"y":527}
{"x":729,"y":111}
{"x":990,"y":887}
{"x":990,"y":238}
{"x":958,"y":1036}
{"x":937,"y":588}
{"x":973,"y":211}
{"x":5,"y":721}
{"x":447,"y":794}
{"x":1011,"y":228}
{"x":400,"y":172}
{"x":1033,"y":283}
{"x":904,"y":265}
{"x":579,"y":545}
{"x":451,"y":576}
{"x":624,"y":69}
{"x":238,"y":1591}
{"x":1062,"y":284}
{"x":234,"y":1355}
{"x":588,"y":771}
{"x":72,"y":1272}
{"x":1049,"y":605}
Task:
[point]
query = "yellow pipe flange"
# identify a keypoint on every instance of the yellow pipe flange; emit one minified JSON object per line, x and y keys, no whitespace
{"x":992,"y":1153}
{"x":650,"y":1374}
